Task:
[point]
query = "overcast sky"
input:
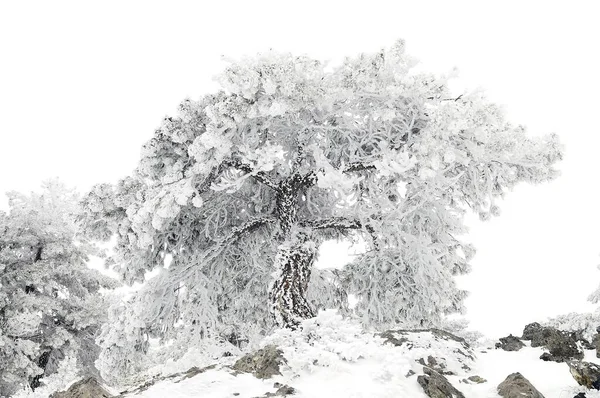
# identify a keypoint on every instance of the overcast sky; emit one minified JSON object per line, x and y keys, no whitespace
{"x":83,"y":85}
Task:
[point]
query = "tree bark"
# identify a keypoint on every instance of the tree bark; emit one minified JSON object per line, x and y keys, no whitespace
{"x":294,"y":261}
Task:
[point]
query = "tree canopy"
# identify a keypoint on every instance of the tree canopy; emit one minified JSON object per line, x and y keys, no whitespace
{"x":49,"y":309}
{"x":242,"y":186}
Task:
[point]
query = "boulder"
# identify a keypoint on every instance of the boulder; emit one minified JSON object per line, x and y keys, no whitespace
{"x":510,"y":343}
{"x":86,"y":388}
{"x":562,"y":346}
{"x":436,"y":385}
{"x":580,"y":395}
{"x":263,"y":363}
{"x":530,"y":330}
{"x":517,"y":386}
{"x":586,"y":374}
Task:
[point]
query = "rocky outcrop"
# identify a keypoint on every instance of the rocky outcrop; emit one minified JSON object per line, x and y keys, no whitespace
{"x":413,"y":341}
{"x":436,"y":385}
{"x":86,"y":388}
{"x":517,"y":386}
{"x":585,"y":374}
{"x":510,"y":343}
{"x":283,"y":390}
{"x":530,"y":330}
{"x":562,"y":346}
{"x":263,"y":363}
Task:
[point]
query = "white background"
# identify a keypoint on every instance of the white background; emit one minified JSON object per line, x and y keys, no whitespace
{"x":83,"y":85}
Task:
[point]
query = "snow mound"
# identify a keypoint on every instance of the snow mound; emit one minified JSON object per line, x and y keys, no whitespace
{"x":330,"y":357}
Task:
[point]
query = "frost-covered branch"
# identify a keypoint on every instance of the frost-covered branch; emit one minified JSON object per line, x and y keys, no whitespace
{"x":260,"y":176}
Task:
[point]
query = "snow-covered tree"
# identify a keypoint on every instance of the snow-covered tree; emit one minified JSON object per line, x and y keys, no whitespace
{"x":240,"y":189}
{"x":49,"y":309}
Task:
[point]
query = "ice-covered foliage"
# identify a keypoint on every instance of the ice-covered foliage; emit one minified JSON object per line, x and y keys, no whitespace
{"x":585,"y":322}
{"x":49,"y":307}
{"x":243,"y":186}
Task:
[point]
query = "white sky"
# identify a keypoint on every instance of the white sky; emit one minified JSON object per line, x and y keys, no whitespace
{"x":83,"y":85}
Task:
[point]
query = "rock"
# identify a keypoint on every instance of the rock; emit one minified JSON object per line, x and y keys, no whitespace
{"x":409,"y":373}
{"x":437,"y":386}
{"x":86,"y":388}
{"x":517,"y":386}
{"x":530,"y":330}
{"x":460,"y":361}
{"x":437,"y":364}
{"x":580,"y":395}
{"x":283,"y":391}
{"x":585,"y":373}
{"x":194,"y":371}
{"x":562,"y":346}
{"x":577,"y":335}
{"x":263,"y":363}
{"x":477,"y":379}
{"x":596,"y":344}
{"x":510,"y":343}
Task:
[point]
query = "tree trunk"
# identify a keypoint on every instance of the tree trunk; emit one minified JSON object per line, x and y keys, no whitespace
{"x":288,"y":294}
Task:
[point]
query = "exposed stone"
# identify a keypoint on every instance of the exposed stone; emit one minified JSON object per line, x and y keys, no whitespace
{"x":436,"y":385}
{"x":194,"y":371}
{"x":409,"y":373}
{"x":562,"y":346}
{"x":578,"y":336}
{"x":585,"y":373}
{"x":263,"y":363}
{"x":437,"y":364}
{"x":477,"y":379}
{"x":517,"y":386}
{"x":510,"y":343}
{"x":86,"y":388}
{"x":459,"y":362}
{"x":580,"y":395}
{"x":283,"y":390}
{"x":530,"y":330}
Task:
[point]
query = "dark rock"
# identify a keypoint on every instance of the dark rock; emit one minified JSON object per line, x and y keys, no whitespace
{"x":580,"y":395}
{"x":436,"y":385}
{"x":437,"y":364}
{"x":263,"y":363}
{"x":517,"y":386}
{"x":596,"y":344}
{"x":476,"y":379}
{"x":585,"y":373}
{"x":562,"y":346}
{"x":578,"y":337}
{"x":510,"y":343}
{"x":546,"y":357}
{"x":86,"y":388}
{"x":409,"y":373}
{"x":530,"y":330}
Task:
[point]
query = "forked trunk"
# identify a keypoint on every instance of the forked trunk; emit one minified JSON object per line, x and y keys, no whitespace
{"x":288,"y":294}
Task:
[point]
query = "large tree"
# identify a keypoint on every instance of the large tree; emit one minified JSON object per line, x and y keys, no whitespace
{"x":49,"y":306}
{"x":242,"y":187}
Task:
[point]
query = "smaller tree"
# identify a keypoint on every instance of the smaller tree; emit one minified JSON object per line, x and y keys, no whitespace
{"x":50,"y":308}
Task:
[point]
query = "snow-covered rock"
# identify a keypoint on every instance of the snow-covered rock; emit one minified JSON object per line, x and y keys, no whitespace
{"x":517,"y":386}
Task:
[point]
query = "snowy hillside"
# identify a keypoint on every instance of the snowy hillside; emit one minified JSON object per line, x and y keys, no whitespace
{"x":334,"y":358}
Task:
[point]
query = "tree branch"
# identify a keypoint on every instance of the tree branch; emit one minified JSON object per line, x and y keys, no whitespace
{"x":261,"y":177}
{"x":358,"y":166}
{"x":236,"y":233}
{"x":340,"y":223}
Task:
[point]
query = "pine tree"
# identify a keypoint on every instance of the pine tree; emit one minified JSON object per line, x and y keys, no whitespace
{"x":49,"y":306}
{"x":243,"y":186}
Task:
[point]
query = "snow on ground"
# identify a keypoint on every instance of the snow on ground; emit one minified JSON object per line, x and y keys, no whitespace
{"x":334,"y":358}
